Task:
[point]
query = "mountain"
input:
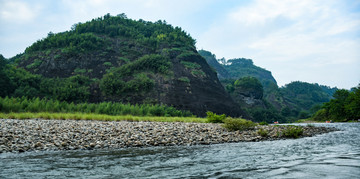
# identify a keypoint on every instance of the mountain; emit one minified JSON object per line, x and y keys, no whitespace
{"x":305,"y":96}
{"x":238,"y":68}
{"x":234,"y":69}
{"x":210,"y":58}
{"x":267,"y":102}
{"x":113,"y":58}
{"x":242,"y":67}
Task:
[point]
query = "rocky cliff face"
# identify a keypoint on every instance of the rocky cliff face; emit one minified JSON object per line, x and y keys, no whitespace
{"x":201,"y":92}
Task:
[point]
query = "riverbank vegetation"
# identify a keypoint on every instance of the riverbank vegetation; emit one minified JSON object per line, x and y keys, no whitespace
{"x":36,"y":105}
{"x":234,"y":124}
{"x":24,"y":108}
{"x":99,"y":117}
{"x":345,"y":106}
{"x":293,"y":131}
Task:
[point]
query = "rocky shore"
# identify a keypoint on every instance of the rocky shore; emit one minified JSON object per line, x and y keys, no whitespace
{"x":38,"y":134}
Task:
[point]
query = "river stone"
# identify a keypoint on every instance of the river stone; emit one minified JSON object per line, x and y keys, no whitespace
{"x":25,"y":135}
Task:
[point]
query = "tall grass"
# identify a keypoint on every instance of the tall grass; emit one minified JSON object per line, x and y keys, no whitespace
{"x":100,"y":117}
{"x":235,"y":124}
{"x":37,"y":105}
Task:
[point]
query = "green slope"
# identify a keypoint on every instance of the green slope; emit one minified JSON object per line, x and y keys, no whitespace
{"x":114,"y":58}
{"x":294,"y":100}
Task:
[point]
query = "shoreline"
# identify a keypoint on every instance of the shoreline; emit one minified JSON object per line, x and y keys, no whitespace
{"x":18,"y":135}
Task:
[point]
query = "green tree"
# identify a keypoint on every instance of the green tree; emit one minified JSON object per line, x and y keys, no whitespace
{"x":249,"y":86}
{"x":74,"y":89}
{"x":352,"y":106}
{"x":336,"y":106}
{"x":266,"y":115}
{"x":22,"y":82}
{"x":6,"y":85}
{"x":345,"y":106}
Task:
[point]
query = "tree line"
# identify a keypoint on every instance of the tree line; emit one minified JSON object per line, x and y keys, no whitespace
{"x":345,"y":106}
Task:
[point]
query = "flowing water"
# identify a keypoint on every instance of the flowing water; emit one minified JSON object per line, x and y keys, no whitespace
{"x":332,"y":155}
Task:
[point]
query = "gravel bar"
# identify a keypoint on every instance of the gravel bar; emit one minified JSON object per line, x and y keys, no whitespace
{"x":41,"y":135}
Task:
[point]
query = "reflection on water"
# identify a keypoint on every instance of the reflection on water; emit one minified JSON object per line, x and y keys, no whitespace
{"x":333,"y":155}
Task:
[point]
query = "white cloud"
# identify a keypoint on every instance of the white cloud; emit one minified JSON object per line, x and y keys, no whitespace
{"x":265,"y":11}
{"x":300,"y":38}
{"x":145,"y":9}
{"x":17,"y":11}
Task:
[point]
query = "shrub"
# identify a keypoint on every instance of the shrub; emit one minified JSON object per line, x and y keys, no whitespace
{"x":109,"y":64}
{"x":233,"y":124}
{"x":140,"y":83}
{"x":35,"y":64}
{"x":263,"y":132}
{"x":198,"y":73}
{"x":57,"y":56}
{"x":153,"y":63}
{"x":310,"y":125}
{"x":184,"y":79}
{"x":214,"y":118}
{"x":320,"y":115}
{"x":263,"y":123}
{"x":190,"y":65}
{"x":186,"y":55}
{"x":293,"y":131}
{"x":79,"y":71}
{"x":126,"y":60}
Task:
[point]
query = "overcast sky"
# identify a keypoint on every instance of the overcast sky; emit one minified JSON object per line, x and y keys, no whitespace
{"x":316,"y":41}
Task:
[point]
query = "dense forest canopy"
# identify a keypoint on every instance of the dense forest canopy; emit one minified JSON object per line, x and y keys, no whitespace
{"x":90,"y":35}
{"x":306,"y":95}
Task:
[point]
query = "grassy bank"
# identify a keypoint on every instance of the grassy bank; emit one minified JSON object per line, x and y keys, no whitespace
{"x":100,"y":117}
{"x":37,"y":105}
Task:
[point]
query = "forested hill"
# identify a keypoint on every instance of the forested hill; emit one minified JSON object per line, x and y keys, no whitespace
{"x":266,"y":101}
{"x":238,"y":68}
{"x":305,"y":95}
{"x":231,"y":70}
{"x":212,"y":61}
{"x":114,"y":58}
{"x":96,"y":46}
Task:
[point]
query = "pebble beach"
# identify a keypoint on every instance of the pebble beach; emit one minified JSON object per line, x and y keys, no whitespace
{"x":42,"y":135}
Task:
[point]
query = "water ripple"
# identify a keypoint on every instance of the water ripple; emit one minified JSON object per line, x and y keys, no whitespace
{"x":332,"y":155}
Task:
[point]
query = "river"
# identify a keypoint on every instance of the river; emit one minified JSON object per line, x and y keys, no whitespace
{"x":332,"y":155}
